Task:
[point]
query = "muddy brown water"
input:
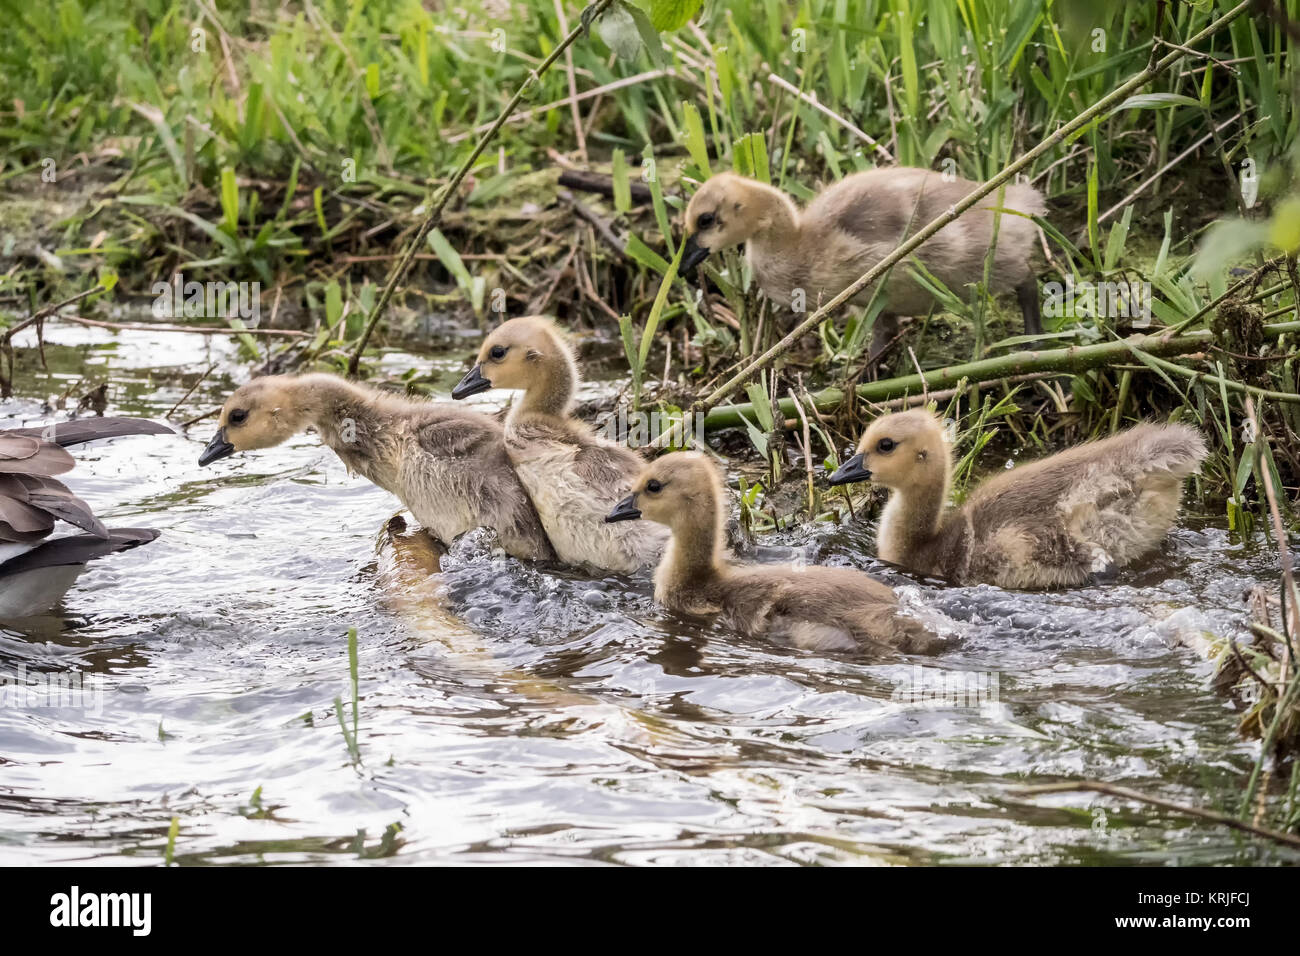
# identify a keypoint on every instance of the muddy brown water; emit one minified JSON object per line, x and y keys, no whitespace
{"x":519,"y":713}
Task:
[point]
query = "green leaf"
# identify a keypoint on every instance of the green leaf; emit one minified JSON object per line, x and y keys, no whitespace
{"x":1092,"y":214}
{"x":749,"y":157}
{"x":1226,"y":242}
{"x":230,"y":200}
{"x":318,"y":204}
{"x":640,"y":252}
{"x":333,"y":303}
{"x":1154,"y":101}
{"x":696,"y":144}
{"x":622,"y":188}
{"x":652,"y":321}
{"x":654,"y":44}
{"x":450,"y":260}
{"x":669,"y":15}
{"x":1117,"y":239}
{"x":657,"y":198}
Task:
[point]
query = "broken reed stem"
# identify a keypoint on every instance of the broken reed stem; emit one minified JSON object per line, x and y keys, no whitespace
{"x":435,"y":214}
{"x":906,"y":248}
{"x":1096,"y":786}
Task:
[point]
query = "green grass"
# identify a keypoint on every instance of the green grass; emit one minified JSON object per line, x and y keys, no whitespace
{"x":296,"y":145}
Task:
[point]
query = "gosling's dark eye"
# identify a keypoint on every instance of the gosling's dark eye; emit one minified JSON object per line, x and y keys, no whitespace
{"x":653,"y":486}
{"x":237,"y":416}
{"x":498,"y":353}
{"x":705,"y":221}
{"x":886,"y":445}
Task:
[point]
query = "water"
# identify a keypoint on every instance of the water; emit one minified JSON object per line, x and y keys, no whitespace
{"x":513,"y":713}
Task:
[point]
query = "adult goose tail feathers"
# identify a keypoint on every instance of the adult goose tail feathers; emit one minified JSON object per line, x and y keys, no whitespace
{"x":90,"y":429}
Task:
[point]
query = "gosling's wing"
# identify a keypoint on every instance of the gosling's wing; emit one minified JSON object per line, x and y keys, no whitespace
{"x":608,"y":467}
{"x":460,"y":436}
{"x":1099,"y":470}
{"x":886,"y":204}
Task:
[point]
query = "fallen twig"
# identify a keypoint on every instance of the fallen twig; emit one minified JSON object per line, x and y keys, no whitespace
{"x":1096,"y":786}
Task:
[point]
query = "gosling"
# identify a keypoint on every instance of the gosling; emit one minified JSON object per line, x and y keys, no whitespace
{"x":35,"y":573}
{"x":572,"y":475}
{"x":816,"y":608}
{"x":448,"y":465}
{"x":1073,"y":518}
{"x":854,"y":224}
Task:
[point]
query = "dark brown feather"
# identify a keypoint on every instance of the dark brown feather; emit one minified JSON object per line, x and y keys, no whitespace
{"x":90,"y":429}
{"x":77,"y":549}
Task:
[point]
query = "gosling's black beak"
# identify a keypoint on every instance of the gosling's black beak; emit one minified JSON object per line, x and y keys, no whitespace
{"x":625,"y":510}
{"x":471,"y":384}
{"x":851,"y":470}
{"x":692,"y":255}
{"x":217,"y":448}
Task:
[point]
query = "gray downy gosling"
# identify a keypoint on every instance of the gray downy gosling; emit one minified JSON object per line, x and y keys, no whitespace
{"x":817,"y":608}
{"x":853,"y":224}
{"x":572,"y":475}
{"x":1069,"y":519}
{"x":447,"y":464}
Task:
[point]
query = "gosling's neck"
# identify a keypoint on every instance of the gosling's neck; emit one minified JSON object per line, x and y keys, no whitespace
{"x":694,"y":554}
{"x":777,"y":220}
{"x":327,"y":404}
{"x":355,"y":422}
{"x":912,"y":518}
{"x":554,"y":384}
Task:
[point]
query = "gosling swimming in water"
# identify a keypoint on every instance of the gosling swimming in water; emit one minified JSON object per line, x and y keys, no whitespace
{"x":572,"y":475}
{"x":446,"y":463}
{"x":853,"y":224}
{"x":817,"y":608}
{"x":1073,"y":517}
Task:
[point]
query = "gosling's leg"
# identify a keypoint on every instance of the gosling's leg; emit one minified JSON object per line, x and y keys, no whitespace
{"x":1027,"y":293}
{"x":884,"y":332}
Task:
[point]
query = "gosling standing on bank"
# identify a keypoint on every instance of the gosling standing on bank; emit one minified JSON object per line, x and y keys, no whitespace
{"x":854,"y":224}
{"x":817,"y":608}
{"x":572,"y":475}
{"x":1066,"y":520}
